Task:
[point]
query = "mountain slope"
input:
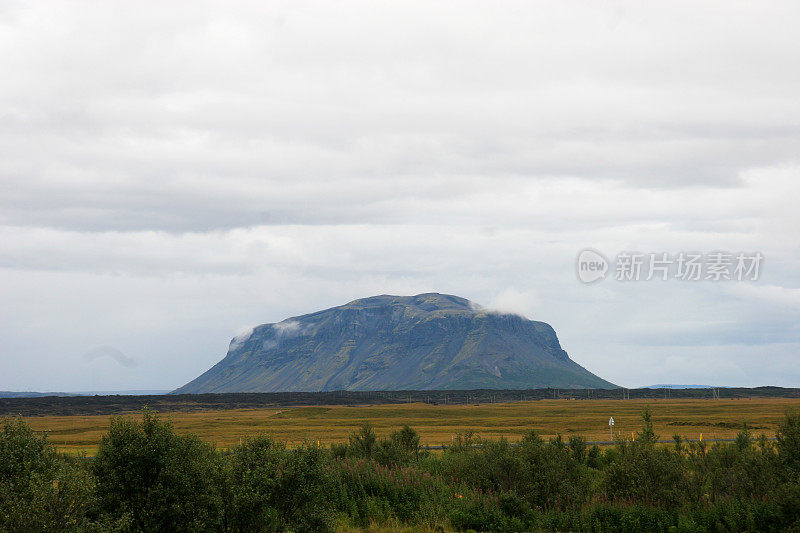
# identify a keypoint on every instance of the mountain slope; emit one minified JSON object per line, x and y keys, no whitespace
{"x":428,"y":341}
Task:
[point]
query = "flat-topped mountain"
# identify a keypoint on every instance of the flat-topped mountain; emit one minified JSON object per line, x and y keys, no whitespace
{"x":429,"y":341}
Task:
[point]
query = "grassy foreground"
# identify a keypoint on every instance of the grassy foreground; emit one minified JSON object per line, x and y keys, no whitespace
{"x":147,"y":477}
{"x":438,"y":424}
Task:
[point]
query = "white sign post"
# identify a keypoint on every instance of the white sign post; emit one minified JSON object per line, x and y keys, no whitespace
{"x":611,"y":427}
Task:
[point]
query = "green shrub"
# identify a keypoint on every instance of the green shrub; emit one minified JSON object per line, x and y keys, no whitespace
{"x":642,"y":472}
{"x":248,"y":484}
{"x":551,"y":476}
{"x":363,"y":441}
{"x":489,"y":466}
{"x":148,"y":478}
{"x":407,"y":494}
{"x":304,"y":492}
{"x":579,"y":449}
{"x":401,"y":448}
{"x":41,"y":490}
{"x":788,"y":446}
{"x":160,"y":480}
{"x":739,"y":470}
{"x":266,"y":487}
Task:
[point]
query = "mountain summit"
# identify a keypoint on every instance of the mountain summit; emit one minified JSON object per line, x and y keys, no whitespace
{"x":428,"y":341}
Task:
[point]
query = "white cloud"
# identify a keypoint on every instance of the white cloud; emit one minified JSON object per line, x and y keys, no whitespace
{"x":515,"y":302}
{"x":241,"y":337}
{"x":286,"y":329}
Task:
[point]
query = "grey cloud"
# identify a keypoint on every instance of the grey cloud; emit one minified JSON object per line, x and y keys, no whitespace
{"x":212,"y":166}
{"x":207,"y":125}
{"x":776,"y":330}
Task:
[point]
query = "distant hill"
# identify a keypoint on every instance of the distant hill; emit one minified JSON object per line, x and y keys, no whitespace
{"x":30,"y":394}
{"x":668,"y":386}
{"x":424,"y":342}
{"x":24,"y":394}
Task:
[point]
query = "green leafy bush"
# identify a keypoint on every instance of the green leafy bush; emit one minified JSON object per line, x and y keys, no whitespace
{"x":159,"y":480}
{"x":146,"y":477}
{"x":41,"y":490}
{"x":642,"y":472}
{"x":788,"y":446}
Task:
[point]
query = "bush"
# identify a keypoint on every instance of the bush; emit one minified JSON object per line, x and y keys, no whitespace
{"x":401,"y":448}
{"x":148,"y":478}
{"x":41,"y":490}
{"x":249,"y":485}
{"x":551,"y":476}
{"x":542,"y":474}
{"x":159,"y":480}
{"x":579,"y":449}
{"x":363,"y":441}
{"x":489,"y":466}
{"x":304,"y":490}
{"x":642,"y":472}
{"x":368,"y":491}
{"x":739,"y":470}
{"x":788,"y":446}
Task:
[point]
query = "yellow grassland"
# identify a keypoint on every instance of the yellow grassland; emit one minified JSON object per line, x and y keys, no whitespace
{"x":437,"y":424}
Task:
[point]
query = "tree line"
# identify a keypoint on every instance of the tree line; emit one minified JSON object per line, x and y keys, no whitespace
{"x":147,"y":477}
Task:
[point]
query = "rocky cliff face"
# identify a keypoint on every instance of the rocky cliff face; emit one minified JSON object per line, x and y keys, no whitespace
{"x":428,"y":341}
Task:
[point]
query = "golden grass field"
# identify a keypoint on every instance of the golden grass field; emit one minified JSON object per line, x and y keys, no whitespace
{"x":437,"y":424}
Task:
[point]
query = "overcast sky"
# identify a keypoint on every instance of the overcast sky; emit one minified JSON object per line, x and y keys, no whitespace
{"x":174,"y":172}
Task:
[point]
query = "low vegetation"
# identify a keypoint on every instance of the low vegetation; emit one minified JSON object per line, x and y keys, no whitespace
{"x":439,"y":424}
{"x":148,"y":477}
